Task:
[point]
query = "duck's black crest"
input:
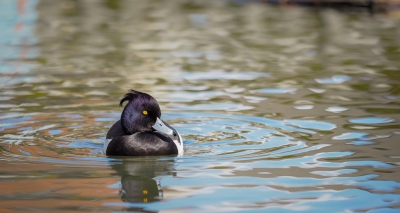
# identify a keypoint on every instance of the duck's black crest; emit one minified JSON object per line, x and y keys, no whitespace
{"x":143,"y":99}
{"x":131,"y":95}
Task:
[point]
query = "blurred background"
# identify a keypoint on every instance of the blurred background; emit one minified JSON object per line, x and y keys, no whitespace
{"x":284,"y":105}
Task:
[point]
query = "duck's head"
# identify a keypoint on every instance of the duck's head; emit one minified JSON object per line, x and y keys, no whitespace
{"x":142,"y":114}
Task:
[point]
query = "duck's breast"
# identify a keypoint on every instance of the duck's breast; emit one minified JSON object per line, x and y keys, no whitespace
{"x":141,"y":144}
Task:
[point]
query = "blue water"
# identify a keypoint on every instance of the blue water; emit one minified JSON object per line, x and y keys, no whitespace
{"x":281,"y":109}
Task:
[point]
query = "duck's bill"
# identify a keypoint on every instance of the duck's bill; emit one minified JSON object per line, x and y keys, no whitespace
{"x":163,"y":127}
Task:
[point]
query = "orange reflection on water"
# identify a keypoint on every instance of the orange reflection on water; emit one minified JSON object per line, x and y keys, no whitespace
{"x":64,"y":191}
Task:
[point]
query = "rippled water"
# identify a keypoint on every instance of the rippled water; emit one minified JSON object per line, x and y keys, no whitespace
{"x":281,"y":109}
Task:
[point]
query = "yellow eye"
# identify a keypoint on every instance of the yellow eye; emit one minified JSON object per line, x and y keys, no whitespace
{"x":144,"y":112}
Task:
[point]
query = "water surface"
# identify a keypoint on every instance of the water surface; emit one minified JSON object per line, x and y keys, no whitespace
{"x":281,"y":109}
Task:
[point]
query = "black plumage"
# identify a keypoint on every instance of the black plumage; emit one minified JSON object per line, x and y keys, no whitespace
{"x":135,"y":133}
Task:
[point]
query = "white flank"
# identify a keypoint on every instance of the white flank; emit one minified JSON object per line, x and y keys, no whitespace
{"x":179,"y":145}
{"x":105,"y":146}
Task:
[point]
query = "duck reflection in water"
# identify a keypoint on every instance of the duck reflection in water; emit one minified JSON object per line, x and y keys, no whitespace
{"x":138,"y":185}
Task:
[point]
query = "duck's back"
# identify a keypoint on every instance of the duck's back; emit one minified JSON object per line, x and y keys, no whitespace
{"x":115,"y":130}
{"x":138,"y":144}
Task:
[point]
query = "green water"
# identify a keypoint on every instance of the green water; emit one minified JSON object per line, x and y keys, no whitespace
{"x":281,"y":109}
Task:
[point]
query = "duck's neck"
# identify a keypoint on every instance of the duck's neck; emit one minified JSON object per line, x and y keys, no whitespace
{"x":128,"y":119}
